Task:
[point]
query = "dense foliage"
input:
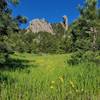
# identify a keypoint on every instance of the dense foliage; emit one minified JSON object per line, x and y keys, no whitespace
{"x":9,"y":26}
{"x":86,"y":29}
{"x":83,"y":57}
{"x":86,"y":34}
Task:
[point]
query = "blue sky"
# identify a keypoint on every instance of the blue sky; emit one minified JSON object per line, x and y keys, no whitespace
{"x":51,"y":10}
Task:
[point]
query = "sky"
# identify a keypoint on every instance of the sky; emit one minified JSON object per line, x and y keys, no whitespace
{"x":51,"y":10}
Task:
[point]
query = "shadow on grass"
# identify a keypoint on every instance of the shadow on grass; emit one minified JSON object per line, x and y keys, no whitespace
{"x":9,"y":64}
{"x":13,"y":64}
{"x":6,"y":79}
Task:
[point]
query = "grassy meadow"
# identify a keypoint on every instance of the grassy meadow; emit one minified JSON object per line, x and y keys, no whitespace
{"x":49,"y":77}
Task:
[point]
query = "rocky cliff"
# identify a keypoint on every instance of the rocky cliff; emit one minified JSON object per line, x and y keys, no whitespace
{"x":41,"y":25}
{"x":38,"y":25}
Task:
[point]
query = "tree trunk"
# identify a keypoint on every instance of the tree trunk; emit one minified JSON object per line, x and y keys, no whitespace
{"x":94,"y":39}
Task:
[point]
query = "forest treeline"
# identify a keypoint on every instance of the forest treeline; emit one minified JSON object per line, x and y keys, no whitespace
{"x":83,"y":34}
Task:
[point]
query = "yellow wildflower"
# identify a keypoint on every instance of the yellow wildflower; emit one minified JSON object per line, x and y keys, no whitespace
{"x":61,"y":79}
{"x":51,"y":87}
{"x":53,"y":82}
{"x":72,"y":84}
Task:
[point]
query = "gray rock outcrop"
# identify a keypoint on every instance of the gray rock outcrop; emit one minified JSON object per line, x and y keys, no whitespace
{"x":39,"y":25}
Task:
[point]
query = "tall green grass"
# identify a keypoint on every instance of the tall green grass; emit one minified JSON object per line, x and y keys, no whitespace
{"x":49,"y":77}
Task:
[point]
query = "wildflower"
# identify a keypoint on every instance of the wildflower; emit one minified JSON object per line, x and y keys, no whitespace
{"x":61,"y":79}
{"x":53,"y":82}
{"x":51,"y":87}
{"x":72,"y":84}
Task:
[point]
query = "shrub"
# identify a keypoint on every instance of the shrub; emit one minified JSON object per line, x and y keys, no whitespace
{"x":2,"y":58}
{"x":81,"y":56}
{"x":75,"y":58}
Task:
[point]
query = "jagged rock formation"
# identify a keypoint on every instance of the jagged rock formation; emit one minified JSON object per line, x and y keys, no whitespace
{"x":40,"y":25}
{"x":65,"y":23}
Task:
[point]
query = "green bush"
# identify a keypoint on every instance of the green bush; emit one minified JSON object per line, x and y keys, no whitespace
{"x":81,"y":56}
{"x":75,"y":58}
{"x":2,"y":58}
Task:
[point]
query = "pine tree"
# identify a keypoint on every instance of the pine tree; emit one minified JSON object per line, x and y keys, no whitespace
{"x":8,"y":25}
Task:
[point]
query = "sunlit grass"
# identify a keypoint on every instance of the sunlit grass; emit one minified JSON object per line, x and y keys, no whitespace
{"x":49,"y":77}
